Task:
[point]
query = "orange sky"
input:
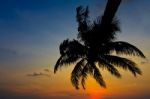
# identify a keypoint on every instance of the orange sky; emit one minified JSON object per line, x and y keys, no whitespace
{"x":59,"y":85}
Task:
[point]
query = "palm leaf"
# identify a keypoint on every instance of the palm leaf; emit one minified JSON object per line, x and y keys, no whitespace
{"x":73,"y":48}
{"x":64,"y":61}
{"x":124,"y":63}
{"x":84,"y":74}
{"x":104,"y":33}
{"x":121,"y":47}
{"x":97,"y":75}
{"x":58,"y":63}
{"x":82,"y":16}
{"x":70,"y":52}
{"x":76,"y":73}
{"x":104,"y":64}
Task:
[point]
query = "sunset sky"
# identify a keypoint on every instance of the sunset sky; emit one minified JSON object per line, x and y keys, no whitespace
{"x":30,"y":34}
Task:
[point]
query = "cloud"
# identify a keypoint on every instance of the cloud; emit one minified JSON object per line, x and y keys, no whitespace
{"x":35,"y":74}
{"x":46,"y":72}
{"x":144,"y":62}
{"x":69,"y":93}
{"x":7,"y":54}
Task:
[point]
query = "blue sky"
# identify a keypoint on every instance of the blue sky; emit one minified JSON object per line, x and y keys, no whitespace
{"x":34,"y":27}
{"x":31,"y":31}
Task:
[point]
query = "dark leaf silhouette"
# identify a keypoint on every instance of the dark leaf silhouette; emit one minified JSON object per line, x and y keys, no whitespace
{"x":94,"y":47}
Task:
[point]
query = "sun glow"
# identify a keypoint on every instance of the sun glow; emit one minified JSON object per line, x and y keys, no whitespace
{"x":94,"y":90}
{"x":95,"y":96}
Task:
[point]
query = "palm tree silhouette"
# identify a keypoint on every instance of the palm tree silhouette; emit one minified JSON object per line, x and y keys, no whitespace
{"x":94,"y":47}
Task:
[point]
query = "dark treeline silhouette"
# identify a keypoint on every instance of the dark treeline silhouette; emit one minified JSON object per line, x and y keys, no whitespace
{"x":93,"y":48}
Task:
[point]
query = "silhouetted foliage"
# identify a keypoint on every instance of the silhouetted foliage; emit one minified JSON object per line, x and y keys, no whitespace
{"x":94,"y":46}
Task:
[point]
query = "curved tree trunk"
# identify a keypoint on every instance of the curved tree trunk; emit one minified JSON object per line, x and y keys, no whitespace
{"x":110,"y":11}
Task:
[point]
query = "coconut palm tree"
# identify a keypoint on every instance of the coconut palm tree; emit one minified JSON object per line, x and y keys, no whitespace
{"x":94,"y":47}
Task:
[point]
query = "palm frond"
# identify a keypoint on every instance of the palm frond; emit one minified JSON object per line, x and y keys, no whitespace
{"x":108,"y":31}
{"x":123,"y":63}
{"x":82,"y":18}
{"x":65,"y":60}
{"x":104,"y":64}
{"x":121,"y":47}
{"x":70,"y":52}
{"x":57,"y":64}
{"x":97,"y":75}
{"x":84,"y":75}
{"x":76,"y":73}
{"x":100,"y":33}
{"x":72,"y":48}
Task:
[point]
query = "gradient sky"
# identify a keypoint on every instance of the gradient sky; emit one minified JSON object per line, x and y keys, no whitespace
{"x":30,"y":34}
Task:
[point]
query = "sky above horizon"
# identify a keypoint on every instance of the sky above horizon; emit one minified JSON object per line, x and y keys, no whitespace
{"x":30,"y":34}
